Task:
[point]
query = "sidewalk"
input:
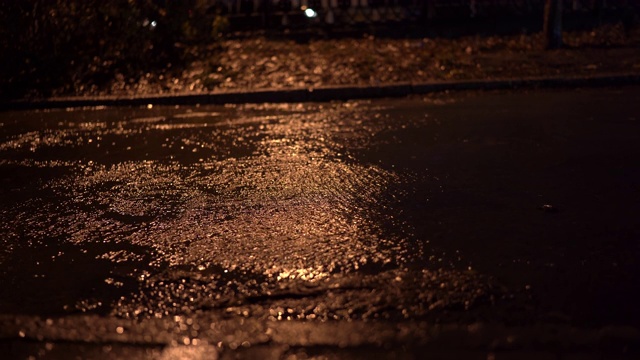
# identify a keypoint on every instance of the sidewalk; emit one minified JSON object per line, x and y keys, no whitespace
{"x":261,"y":69}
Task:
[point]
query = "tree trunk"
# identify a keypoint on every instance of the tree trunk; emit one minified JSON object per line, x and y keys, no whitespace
{"x":553,"y":24}
{"x":598,"y":9}
{"x":430,"y":8}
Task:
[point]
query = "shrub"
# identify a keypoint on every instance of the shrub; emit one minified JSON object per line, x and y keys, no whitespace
{"x":47,"y":44}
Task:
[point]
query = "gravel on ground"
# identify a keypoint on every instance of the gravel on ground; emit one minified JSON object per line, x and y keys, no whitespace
{"x":256,"y":63}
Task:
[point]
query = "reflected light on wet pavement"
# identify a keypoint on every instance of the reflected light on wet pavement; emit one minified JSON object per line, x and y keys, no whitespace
{"x":256,"y":210}
{"x":181,"y":218}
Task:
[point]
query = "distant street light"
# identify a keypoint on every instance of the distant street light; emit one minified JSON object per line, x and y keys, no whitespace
{"x":310,"y":13}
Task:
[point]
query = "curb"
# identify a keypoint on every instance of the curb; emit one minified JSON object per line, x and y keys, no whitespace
{"x":321,"y":94}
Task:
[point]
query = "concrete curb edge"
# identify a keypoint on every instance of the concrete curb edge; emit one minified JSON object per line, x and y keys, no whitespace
{"x":328,"y":93}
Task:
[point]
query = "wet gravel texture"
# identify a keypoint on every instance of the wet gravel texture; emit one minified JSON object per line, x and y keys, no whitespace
{"x":508,"y":208}
{"x":254,"y":62}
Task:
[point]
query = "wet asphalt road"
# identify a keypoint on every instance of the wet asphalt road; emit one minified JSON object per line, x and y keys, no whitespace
{"x":152,"y":225}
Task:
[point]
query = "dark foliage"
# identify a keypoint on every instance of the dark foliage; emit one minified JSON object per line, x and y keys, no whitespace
{"x":48,"y":44}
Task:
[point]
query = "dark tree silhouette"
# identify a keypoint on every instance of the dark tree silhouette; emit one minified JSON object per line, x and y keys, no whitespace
{"x":552,"y":24}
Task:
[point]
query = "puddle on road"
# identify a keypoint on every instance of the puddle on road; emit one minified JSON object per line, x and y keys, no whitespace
{"x":314,"y":211}
{"x":257,"y":210}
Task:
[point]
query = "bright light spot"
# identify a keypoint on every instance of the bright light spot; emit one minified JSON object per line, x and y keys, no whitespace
{"x":310,"y":13}
{"x":190,"y":352}
{"x":154,"y":24}
{"x":309,"y":274}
